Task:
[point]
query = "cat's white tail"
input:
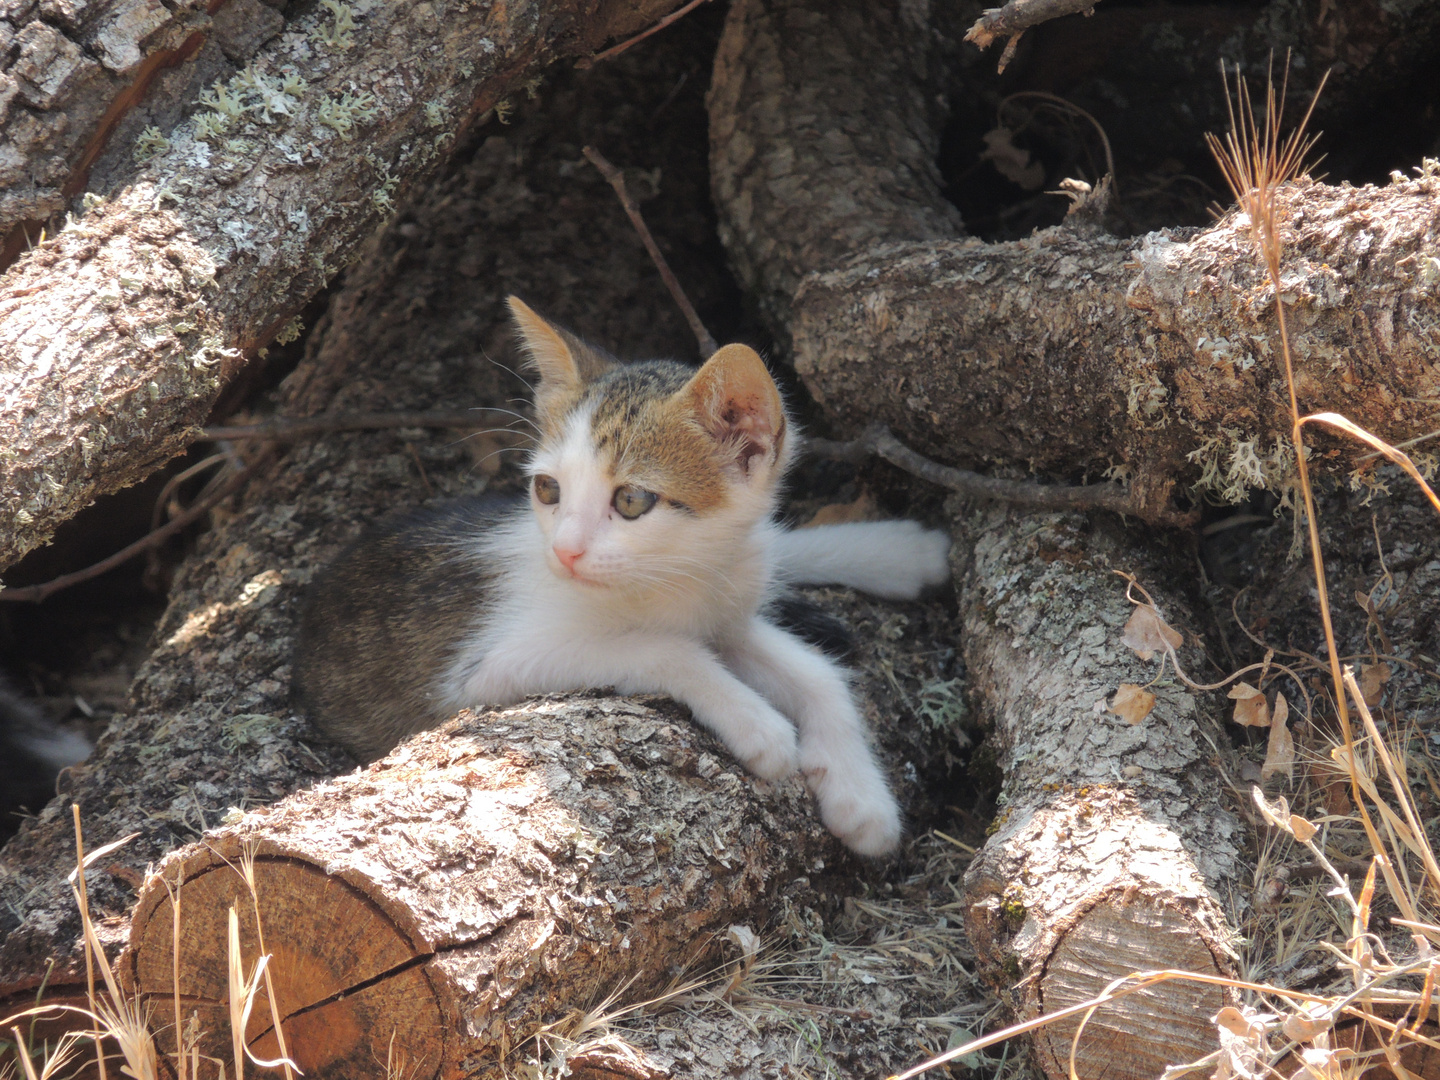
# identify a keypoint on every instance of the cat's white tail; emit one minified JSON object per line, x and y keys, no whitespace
{"x":892,"y":559}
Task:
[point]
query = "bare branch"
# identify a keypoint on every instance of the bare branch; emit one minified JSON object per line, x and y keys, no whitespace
{"x":879,"y":441}
{"x":1016,"y":17}
{"x":617,"y":181}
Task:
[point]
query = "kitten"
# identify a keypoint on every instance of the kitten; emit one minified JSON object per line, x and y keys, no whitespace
{"x":645,"y":559}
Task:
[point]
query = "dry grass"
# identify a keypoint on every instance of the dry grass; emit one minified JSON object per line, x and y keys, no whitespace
{"x":120,"y":1021}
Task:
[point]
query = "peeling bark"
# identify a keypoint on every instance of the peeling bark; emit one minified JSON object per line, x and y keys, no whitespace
{"x":1154,"y":356}
{"x":142,"y":309}
{"x":1112,"y":850}
{"x":554,"y":853}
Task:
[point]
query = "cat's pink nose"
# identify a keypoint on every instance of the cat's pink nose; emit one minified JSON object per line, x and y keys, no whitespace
{"x":568,"y":556}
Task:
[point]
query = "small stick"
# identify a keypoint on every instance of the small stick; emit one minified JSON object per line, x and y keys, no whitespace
{"x":878,"y":441}
{"x":1016,"y":17}
{"x":617,"y":181}
{"x":587,"y":62}
{"x":292,"y":429}
{"x":37,"y":593}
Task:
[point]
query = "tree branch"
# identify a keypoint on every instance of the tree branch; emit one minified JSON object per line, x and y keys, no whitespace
{"x":879,"y":441}
{"x":617,"y":181}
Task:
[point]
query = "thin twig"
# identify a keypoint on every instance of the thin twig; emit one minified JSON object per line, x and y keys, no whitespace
{"x":1016,"y":17}
{"x":587,"y":62}
{"x":617,"y":181}
{"x":1059,"y":102}
{"x":291,"y":429}
{"x":878,"y":441}
{"x":37,"y":593}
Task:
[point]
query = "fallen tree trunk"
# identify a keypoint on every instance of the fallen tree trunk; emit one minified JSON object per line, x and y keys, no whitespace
{"x":232,"y":208}
{"x":1153,"y":357}
{"x":1112,"y":851}
{"x":554,"y":853}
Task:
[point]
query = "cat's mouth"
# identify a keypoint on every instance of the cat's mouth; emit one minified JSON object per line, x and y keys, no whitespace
{"x":570,"y":574}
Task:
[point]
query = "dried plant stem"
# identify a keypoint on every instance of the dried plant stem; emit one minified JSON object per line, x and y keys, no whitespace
{"x":617,"y":181}
{"x":587,"y":62}
{"x":292,"y":429}
{"x":85,"y":920}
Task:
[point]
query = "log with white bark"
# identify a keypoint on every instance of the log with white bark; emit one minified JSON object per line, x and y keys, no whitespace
{"x":1068,"y":353}
{"x":1113,"y":848}
{"x":223,"y":207}
{"x":442,"y":905}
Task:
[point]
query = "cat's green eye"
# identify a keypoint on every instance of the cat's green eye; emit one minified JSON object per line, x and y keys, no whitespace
{"x":547,"y":489}
{"x":633,"y":502}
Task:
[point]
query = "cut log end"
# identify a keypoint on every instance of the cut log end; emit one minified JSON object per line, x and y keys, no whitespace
{"x":484,"y":880}
{"x":1118,"y":937}
{"x":349,"y":982}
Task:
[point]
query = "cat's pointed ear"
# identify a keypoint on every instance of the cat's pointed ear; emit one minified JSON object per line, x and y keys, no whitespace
{"x":545,"y":348}
{"x":564,"y":362}
{"x":736,"y":401}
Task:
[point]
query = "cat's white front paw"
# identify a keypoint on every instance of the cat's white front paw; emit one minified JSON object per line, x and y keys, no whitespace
{"x":764,"y":742}
{"x":855,"y":804}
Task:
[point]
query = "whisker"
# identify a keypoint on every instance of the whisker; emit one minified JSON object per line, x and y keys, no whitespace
{"x":512,"y":371}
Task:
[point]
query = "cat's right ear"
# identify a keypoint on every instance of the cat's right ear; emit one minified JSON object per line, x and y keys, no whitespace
{"x":547,"y":351}
{"x":564,"y":362}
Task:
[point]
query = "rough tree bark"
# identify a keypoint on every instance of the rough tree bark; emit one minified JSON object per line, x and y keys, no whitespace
{"x":553,"y":854}
{"x":218,"y":222}
{"x":1114,"y":847}
{"x":1112,"y":851}
{"x":210,"y":726}
{"x":1068,"y":354}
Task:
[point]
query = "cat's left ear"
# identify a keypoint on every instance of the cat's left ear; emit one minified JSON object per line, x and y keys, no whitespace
{"x":736,"y":401}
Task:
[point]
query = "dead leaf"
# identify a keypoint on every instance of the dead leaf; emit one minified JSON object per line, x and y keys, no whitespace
{"x":1132,"y":703}
{"x":1280,"y":750}
{"x":1373,"y":678}
{"x":1147,"y":633}
{"x":1251,"y":709}
{"x":1311,"y":1019}
{"x":1010,"y":161}
{"x":1301,"y":829}
{"x":862,"y":509}
{"x":1237,"y":1023}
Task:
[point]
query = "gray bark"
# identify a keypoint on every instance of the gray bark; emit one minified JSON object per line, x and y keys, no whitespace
{"x":1112,"y":850}
{"x":1156,"y":357}
{"x":554,"y":853}
{"x":117,"y":333}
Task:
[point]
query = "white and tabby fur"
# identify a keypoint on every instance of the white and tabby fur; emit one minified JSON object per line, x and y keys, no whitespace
{"x":574,"y":595}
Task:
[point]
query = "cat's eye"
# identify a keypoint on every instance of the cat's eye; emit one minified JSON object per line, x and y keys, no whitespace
{"x":547,"y":489}
{"x":633,"y":501}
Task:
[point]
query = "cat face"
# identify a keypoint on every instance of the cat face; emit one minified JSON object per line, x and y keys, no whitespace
{"x":649,"y":475}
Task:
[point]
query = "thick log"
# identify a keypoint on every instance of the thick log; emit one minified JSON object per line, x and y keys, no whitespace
{"x":553,"y":854}
{"x":1155,"y":357}
{"x":1112,"y":851}
{"x":117,"y":333}
{"x":1159,"y":358}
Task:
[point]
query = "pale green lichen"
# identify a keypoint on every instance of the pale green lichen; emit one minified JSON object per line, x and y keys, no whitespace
{"x":209,"y":126}
{"x":503,"y":109}
{"x":339,"y":33}
{"x":342,"y":114}
{"x":434,"y":114}
{"x":290,"y":331}
{"x":148,"y":144}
